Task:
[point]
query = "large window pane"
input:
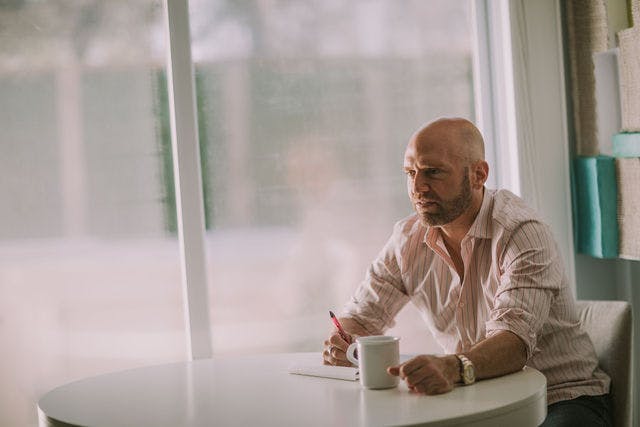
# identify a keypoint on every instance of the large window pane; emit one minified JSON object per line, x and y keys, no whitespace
{"x":89,"y":267}
{"x":304,"y":112}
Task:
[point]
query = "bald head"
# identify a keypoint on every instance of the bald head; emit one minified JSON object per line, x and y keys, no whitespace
{"x":456,"y":136}
{"x":446,"y":172}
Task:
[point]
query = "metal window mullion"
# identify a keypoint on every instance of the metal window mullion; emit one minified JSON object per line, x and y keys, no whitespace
{"x":187,"y":176}
{"x":493,"y":89}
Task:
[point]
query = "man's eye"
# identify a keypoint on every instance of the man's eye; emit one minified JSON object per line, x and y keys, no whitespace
{"x":433,"y":171}
{"x":411,"y":173}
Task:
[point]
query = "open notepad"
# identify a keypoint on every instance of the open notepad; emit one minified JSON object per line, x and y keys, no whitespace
{"x":326,"y":371}
{"x":335,"y":372}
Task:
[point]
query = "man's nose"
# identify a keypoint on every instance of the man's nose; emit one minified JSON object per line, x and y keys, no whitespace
{"x":420,"y":184}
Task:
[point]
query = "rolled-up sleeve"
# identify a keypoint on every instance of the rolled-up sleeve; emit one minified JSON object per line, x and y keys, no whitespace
{"x":531,"y":276}
{"x":381,"y":295}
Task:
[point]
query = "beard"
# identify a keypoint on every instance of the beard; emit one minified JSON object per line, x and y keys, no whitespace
{"x":447,"y":210}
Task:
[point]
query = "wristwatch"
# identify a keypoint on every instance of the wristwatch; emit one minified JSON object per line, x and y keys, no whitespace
{"x":467,"y":370}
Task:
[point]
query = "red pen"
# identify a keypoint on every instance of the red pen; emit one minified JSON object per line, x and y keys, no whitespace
{"x":341,"y":331}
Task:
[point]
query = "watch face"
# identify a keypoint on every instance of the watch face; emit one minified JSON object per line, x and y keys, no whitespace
{"x":467,"y":371}
{"x":469,"y":374}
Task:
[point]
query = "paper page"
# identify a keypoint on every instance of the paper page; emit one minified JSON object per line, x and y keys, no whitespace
{"x":326,"y":371}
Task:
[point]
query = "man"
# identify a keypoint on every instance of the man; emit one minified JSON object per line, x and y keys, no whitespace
{"x":485,"y":273}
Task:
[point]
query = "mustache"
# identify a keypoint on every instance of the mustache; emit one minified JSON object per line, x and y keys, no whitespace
{"x":426,"y":198}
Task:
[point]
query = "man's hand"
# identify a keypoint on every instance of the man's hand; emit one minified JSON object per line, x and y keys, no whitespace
{"x":428,"y":374}
{"x":335,"y":350}
{"x":335,"y":347}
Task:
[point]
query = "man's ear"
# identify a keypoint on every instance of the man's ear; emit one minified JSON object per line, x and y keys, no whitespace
{"x":480,"y":174}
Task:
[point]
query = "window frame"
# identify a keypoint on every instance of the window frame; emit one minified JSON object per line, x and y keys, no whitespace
{"x":188,"y":179}
{"x":508,"y":112}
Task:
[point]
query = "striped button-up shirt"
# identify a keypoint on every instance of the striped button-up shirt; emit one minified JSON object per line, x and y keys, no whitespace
{"x":513,"y":280}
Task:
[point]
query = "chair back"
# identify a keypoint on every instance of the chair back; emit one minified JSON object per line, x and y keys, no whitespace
{"x":608,"y":324}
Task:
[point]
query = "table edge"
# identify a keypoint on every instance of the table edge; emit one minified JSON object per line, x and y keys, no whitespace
{"x":45,"y":420}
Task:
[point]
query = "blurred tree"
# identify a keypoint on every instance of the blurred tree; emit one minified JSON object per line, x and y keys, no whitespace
{"x":35,"y":34}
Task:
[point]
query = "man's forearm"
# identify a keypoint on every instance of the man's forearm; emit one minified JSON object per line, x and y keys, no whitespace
{"x":498,"y":355}
{"x":353,"y":327}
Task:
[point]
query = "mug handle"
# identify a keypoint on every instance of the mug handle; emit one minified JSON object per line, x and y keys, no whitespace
{"x":353,"y":347}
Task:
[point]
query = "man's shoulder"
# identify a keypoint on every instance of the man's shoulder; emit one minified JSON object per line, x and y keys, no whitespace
{"x":511,"y":211}
{"x":408,"y":230}
{"x":409,"y":226}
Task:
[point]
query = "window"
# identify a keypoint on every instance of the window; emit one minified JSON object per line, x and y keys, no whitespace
{"x":89,"y":273}
{"x":304,"y":110}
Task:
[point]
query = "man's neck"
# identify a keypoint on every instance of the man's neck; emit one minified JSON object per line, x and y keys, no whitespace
{"x":455,"y":231}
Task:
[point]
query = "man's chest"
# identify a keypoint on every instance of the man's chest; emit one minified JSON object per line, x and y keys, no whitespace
{"x":455,"y":305}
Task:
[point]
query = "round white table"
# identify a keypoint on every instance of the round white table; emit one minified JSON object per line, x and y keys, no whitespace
{"x":258,"y":390}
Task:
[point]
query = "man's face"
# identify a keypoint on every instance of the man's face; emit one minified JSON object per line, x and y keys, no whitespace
{"x":437,"y":182}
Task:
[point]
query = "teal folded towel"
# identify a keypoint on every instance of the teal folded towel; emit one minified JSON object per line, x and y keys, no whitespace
{"x":626,"y":144}
{"x":597,"y":226}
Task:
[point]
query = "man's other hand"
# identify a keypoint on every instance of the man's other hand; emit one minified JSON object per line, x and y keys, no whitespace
{"x":428,"y":374}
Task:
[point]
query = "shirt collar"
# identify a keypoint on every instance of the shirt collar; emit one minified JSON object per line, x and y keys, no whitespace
{"x":481,"y":227}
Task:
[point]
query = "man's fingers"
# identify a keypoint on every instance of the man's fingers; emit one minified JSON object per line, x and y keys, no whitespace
{"x":428,"y":382}
{"x":436,"y":386}
{"x":335,"y":356}
{"x":335,"y":350}
{"x":328,"y":360}
{"x":335,"y":340}
{"x":420,"y":375}
{"x":419,"y":388}
{"x":410,"y":366}
{"x":423,"y":375}
{"x":394,"y":370}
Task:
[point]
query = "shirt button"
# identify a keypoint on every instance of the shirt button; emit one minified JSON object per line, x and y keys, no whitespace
{"x":461,"y":305}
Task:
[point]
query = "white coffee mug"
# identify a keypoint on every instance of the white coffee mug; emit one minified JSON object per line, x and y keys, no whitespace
{"x":375,"y":354}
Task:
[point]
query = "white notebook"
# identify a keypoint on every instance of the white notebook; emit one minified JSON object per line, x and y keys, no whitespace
{"x":326,"y":371}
